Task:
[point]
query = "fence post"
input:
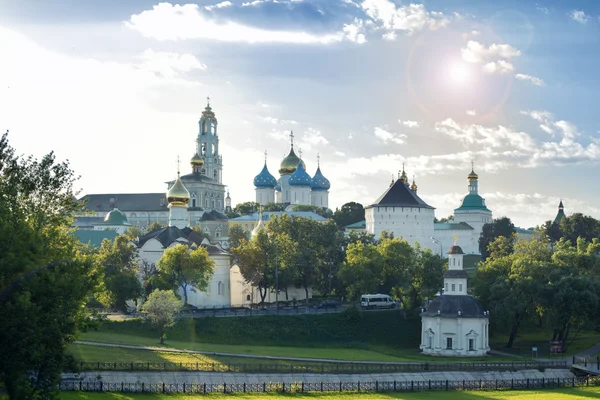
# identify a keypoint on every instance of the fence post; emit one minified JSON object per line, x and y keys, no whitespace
{"x":302,"y":387}
{"x":394,"y":385}
{"x":527,"y":383}
{"x":340,"y":386}
{"x":573,"y":379}
{"x":376,"y":386}
{"x":321,"y":386}
{"x":142,"y":387}
{"x":264,"y":386}
{"x":496,"y":387}
{"x":463,"y":384}
{"x":163,"y":387}
{"x":80,"y":384}
{"x":543,"y":382}
{"x":204,"y":388}
{"x":122,"y":385}
{"x":412,"y":385}
{"x":224,"y":387}
{"x":446,"y":384}
{"x":430,"y":384}
{"x":183,"y":387}
{"x":573,"y":359}
{"x":101,"y":386}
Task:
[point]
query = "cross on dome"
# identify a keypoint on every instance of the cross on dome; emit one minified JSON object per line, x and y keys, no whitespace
{"x":318,"y":160}
{"x":207,"y":101}
{"x":265,"y":156}
{"x":292,"y":138}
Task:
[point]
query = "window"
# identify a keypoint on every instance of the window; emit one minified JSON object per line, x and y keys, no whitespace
{"x":449,"y":343}
{"x":430,"y":346}
{"x":453,"y":287}
{"x":445,"y":287}
{"x":220,"y":288}
{"x":471,"y":344}
{"x":460,"y":287}
{"x":247,"y":297}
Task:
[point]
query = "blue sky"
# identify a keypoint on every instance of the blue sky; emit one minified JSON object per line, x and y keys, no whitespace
{"x":117,"y":88}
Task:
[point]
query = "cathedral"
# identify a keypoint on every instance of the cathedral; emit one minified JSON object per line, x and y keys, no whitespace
{"x":399,"y":210}
{"x":208,"y":197}
{"x":295,"y":185}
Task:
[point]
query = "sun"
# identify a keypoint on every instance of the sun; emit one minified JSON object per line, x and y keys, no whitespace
{"x":458,"y":73}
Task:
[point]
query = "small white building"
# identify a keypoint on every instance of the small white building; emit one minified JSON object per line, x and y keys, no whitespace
{"x":454,"y":323}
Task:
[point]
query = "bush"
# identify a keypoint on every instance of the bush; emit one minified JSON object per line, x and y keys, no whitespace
{"x":352,"y":314}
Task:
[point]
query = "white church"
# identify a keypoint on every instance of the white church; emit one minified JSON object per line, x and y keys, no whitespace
{"x":454,"y":323}
{"x":399,"y":210}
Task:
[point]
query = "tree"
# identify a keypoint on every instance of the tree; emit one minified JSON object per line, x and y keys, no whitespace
{"x":134,"y":232}
{"x":361,"y":272}
{"x":348,"y":214}
{"x":160,"y":309}
{"x":322,"y":211}
{"x":253,"y":260}
{"x":46,"y":275}
{"x":189,"y":269}
{"x":246,"y":208}
{"x":236,"y":234}
{"x":154,"y":226}
{"x":119,"y":261}
{"x":449,"y":218}
{"x":498,"y":227}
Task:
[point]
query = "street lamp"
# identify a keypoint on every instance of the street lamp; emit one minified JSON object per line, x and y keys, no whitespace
{"x":438,"y":242}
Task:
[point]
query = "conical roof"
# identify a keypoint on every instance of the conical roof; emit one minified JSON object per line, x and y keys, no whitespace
{"x":178,"y":194}
{"x":319,"y":181}
{"x":290,"y":163}
{"x":300,"y":177}
{"x":265,"y":179}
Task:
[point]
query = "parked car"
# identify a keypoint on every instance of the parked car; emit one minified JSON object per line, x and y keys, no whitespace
{"x":329,"y":304}
{"x":189,"y":308}
{"x":377,"y":301}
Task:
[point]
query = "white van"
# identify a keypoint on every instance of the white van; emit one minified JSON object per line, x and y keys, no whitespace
{"x":377,"y":301}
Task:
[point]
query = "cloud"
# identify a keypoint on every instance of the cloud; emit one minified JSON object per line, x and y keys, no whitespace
{"x":311,"y":138}
{"x":340,"y":153}
{"x":545,"y":118}
{"x":409,"y":124}
{"x":579,"y":16}
{"x":169,"y":64}
{"x":532,"y":79}
{"x":276,"y":121}
{"x":387,"y":137}
{"x":543,"y":10}
{"x":494,"y":58}
{"x":222,"y":4}
{"x":355,"y":32}
{"x":167,"y":22}
{"x":252,"y":3}
{"x":406,"y":19}
{"x":500,"y":67}
{"x":472,"y":113}
{"x":492,"y":137}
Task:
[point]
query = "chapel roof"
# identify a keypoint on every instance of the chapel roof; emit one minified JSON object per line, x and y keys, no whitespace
{"x":168,"y":235}
{"x":450,"y":305}
{"x":400,"y":195}
{"x":450,"y":226}
{"x":455,"y":273}
{"x":126,"y":201}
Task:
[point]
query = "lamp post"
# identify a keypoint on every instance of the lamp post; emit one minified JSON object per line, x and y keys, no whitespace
{"x":438,"y":242}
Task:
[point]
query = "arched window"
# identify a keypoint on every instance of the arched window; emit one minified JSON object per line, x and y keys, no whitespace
{"x":220,"y":288}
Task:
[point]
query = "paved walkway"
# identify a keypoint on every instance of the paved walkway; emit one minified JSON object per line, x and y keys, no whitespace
{"x":215,"y":377}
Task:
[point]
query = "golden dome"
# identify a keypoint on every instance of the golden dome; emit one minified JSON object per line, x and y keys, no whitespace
{"x":290,"y":163}
{"x":472,"y":176}
{"x":197,"y":161}
{"x":178,"y":195}
{"x":414,"y":186}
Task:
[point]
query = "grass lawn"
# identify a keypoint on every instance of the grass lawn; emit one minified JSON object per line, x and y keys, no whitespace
{"x":373,"y":353}
{"x":558,"y":394}
{"x":540,"y":338}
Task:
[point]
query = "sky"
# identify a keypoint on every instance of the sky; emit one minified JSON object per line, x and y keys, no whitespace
{"x":117,"y":88}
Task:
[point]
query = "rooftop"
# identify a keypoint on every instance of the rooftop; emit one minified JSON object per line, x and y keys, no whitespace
{"x":400,"y":195}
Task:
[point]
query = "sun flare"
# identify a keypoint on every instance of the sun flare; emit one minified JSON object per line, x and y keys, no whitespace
{"x":458,"y":73}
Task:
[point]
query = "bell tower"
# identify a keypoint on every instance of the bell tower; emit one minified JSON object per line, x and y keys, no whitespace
{"x":207,"y":144}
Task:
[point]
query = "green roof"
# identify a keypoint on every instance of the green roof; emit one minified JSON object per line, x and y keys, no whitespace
{"x":357,"y":225}
{"x":448,"y":226}
{"x":559,"y":217}
{"x":94,"y":238}
{"x":473,"y":201}
{"x":115,"y":217}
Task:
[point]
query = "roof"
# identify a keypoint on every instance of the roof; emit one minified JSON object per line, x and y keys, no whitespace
{"x":94,"y":238}
{"x":456,"y":273}
{"x":300,"y":177}
{"x":126,"y":202}
{"x":319,"y":181}
{"x":451,"y":226}
{"x":357,"y":225}
{"x":473,"y":201}
{"x":167,"y":236}
{"x":560,"y":216}
{"x":87,"y":221}
{"x":267,"y":214}
{"x":455,"y":250}
{"x":265,"y":179}
{"x":196,"y":177}
{"x":450,"y":305}
{"x":400,"y":195}
{"x":115,"y":217}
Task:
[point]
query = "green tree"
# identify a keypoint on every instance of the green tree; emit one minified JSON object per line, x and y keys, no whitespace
{"x":246,"y":208}
{"x":361,"y":272}
{"x":253,"y":260}
{"x":160,"y":309}
{"x":348,"y":214}
{"x":134,"y":232}
{"x":322,"y":211}
{"x":154,"y":226}
{"x":46,"y":275}
{"x":236,"y":234}
{"x":189,"y":269}
{"x":119,"y":261}
{"x":498,"y":227}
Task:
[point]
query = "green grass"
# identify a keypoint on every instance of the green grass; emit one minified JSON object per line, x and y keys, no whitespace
{"x":558,"y":394}
{"x":540,"y":337}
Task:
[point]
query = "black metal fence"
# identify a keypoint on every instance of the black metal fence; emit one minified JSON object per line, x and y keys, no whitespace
{"x":321,"y":367}
{"x":587,"y":362}
{"x":373,"y":386}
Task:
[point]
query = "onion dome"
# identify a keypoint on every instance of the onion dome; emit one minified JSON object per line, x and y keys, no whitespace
{"x":115,"y":217}
{"x":265,"y":179}
{"x":414,"y":186}
{"x":197,"y":161}
{"x":300,"y":177}
{"x":178,"y":195}
{"x":260,"y":226}
{"x":455,"y":250}
{"x":290,"y":163}
{"x":403,"y":178}
{"x":472,"y":176}
{"x":319,"y":181}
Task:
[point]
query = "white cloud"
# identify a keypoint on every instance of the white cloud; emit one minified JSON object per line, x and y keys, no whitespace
{"x":263,"y":105}
{"x":534,"y":80}
{"x":168,"y":64}
{"x":252,"y":3}
{"x":492,"y":137}
{"x":276,"y":121}
{"x":386,"y":136}
{"x":181,"y":22}
{"x":311,"y":138}
{"x":493,"y":57}
{"x":409,"y":124}
{"x":407,"y":19}
{"x":545,"y":118}
{"x":340,"y":153}
{"x":355,"y":32}
{"x":472,"y":113}
{"x":579,"y":16}
{"x":501,"y":67}
{"x":543,"y":10}
{"x":222,"y":4}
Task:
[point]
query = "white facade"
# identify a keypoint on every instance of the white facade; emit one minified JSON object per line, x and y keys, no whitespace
{"x":319,"y":198}
{"x":300,"y":195}
{"x":402,"y":212}
{"x":454,"y":324}
{"x":265,"y":196}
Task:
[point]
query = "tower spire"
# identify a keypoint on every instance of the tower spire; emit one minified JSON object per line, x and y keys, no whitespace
{"x":207,"y":101}
{"x":292,"y":138}
{"x":178,"y":163}
{"x":318,"y":160}
{"x":265,"y":157}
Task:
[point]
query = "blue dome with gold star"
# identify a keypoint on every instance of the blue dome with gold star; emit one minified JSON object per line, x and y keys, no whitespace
{"x":265,"y":179}
{"x":319,"y":181}
{"x":300,"y":177}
